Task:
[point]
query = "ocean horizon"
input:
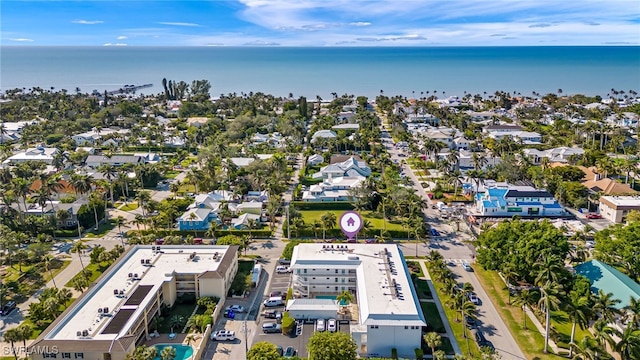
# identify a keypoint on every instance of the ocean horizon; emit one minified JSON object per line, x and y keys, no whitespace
{"x":321,"y":71}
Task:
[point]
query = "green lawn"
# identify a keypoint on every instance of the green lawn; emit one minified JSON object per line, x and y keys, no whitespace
{"x":434,"y":321}
{"x":376,"y":223}
{"x":103,"y":229}
{"x":531,"y":342}
{"x":239,"y":284}
{"x":96,"y":271}
{"x":130,"y":206}
{"x":171,"y":174}
{"x":423,"y":290}
{"x":561,"y":323}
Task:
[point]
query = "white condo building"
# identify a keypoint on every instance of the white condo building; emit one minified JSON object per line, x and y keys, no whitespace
{"x":112,"y":317}
{"x":387,"y":313}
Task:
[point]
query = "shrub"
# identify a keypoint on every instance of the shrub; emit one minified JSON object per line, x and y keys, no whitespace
{"x":288,"y":324}
{"x":394,"y":353}
{"x":289,"y":294}
{"x":419,"y":353}
{"x":438,"y":195}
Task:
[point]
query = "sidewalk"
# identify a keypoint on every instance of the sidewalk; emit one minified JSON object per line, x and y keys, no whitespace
{"x":443,"y":316}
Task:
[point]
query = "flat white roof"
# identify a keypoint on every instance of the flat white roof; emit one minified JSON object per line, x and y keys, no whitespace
{"x":378,"y":267}
{"x":623,"y":200}
{"x":84,"y":313}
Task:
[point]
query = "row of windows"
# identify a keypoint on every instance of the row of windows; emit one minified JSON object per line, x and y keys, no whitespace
{"x":64,"y":355}
{"x":343,"y":271}
{"x":406,"y":327}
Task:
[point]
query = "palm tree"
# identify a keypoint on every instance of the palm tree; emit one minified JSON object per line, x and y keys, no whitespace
{"x":604,"y":305}
{"x":549,"y":301}
{"x":577,"y":309}
{"x":586,"y":349}
{"x":175,"y":320}
{"x":317,"y":225}
{"x":629,"y":344}
{"x":48,"y":260}
{"x":143,"y":198}
{"x":25,"y":331}
{"x":81,"y":183}
{"x":11,"y":336}
{"x":433,"y":340}
{"x":168,"y":353}
{"x":632,"y":312}
{"x":509,"y":273}
{"x":547,"y":267}
{"x":119,"y":221}
{"x":77,"y":248}
{"x":345,"y":297}
{"x":328,"y":221}
{"x":525,"y":298}
{"x":603,"y":334}
{"x":110,"y":173}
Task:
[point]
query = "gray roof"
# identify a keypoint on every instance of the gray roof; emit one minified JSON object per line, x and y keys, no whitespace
{"x":115,"y":159}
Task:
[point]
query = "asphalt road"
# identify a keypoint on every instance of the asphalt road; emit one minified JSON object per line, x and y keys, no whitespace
{"x":451,"y":246}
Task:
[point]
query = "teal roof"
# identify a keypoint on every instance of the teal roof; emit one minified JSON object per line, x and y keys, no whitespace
{"x":610,"y":280}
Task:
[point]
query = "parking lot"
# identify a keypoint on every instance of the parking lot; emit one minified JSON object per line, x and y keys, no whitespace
{"x":279,"y":282}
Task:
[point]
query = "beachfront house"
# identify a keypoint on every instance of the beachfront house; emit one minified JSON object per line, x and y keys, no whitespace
{"x":511,"y":200}
{"x":560,"y":154}
{"x":333,"y":189}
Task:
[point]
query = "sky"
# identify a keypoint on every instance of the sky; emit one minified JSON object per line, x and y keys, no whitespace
{"x":320,"y":23}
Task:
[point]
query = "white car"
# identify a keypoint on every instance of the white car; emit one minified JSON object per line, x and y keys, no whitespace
{"x":223,"y":335}
{"x":320,"y":325}
{"x":332,"y":325}
{"x":283,"y":269}
{"x":466,"y":266}
{"x":474,"y":299}
{"x":236,"y":308}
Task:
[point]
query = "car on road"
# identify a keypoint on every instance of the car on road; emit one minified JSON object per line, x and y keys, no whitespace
{"x":7,"y":308}
{"x":482,"y":340}
{"x":223,"y":335}
{"x":320,"y":325}
{"x":332,"y":325}
{"x":236,"y":308}
{"x":474,"y":299}
{"x":271,"y":327}
{"x":466,"y":266}
{"x":279,"y":350}
{"x":289,"y":352}
{"x":593,"y":216}
{"x":282,"y":269}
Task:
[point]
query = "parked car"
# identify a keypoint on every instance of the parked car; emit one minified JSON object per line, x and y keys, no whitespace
{"x":7,"y":308}
{"x":289,"y":352}
{"x":274,"y":301}
{"x":471,"y":322}
{"x":276,"y":294}
{"x":594,"y":216}
{"x":279,"y":350}
{"x":271,"y":328}
{"x":223,"y":335}
{"x":236,"y":308}
{"x":320,"y":325}
{"x":482,"y":341}
{"x":466,"y":266}
{"x":283,"y":269}
{"x":434,"y":232}
{"x":474,"y":299}
{"x":332,"y":325}
{"x":283,"y":261}
{"x":272,"y":314}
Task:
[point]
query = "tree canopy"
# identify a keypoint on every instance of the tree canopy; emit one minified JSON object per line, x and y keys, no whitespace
{"x":519,"y":245}
{"x":618,"y":246}
{"x":263,"y":350}
{"x":331,"y":346}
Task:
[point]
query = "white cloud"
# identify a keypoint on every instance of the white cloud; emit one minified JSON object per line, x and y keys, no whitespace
{"x":360,"y":23}
{"x":261,"y":43}
{"x":88,"y":22}
{"x":121,"y":37}
{"x":21,"y":40}
{"x":114,"y":44}
{"x":187,"y":24}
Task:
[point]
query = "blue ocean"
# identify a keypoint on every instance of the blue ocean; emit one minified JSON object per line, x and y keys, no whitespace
{"x":411,"y":72}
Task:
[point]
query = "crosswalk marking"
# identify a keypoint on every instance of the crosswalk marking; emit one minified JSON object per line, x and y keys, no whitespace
{"x":460,"y":261}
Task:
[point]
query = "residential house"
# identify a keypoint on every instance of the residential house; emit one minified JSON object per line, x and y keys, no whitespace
{"x":333,"y":189}
{"x":345,"y":116}
{"x":560,"y":154}
{"x":150,"y":158}
{"x":323,"y":134}
{"x":197,"y":121}
{"x":516,"y":132}
{"x":261,"y":196}
{"x":616,"y":208}
{"x":274,"y":140}
{"x":95,"y":161}
{"x":197,"y":219}
{"x":315,"y":159}
{"x":251,"y":207}
{"x":461,"y":143}
{"x":510,"y":200}
{"x":243,"y":221}
{"x":51,"y":208}
{"x":465,"y":159}
{"x":598,"y":183}
{"x":39,"y":154}
{"x":348,"y":127}
{"x":241,"y":161}
{"x":95,"y":136}
{"x":348,"y":168}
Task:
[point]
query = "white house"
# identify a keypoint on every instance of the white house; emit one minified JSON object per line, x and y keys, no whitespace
{"x":348,"y":168}
{"x":39,"y":153}
{"x":559,"y":154}
{"x":94,"y":137}
{"x":386,"y":313}
{"x":323,"y":134}
{"x":315,"y":159}
{"x":333,"y":189}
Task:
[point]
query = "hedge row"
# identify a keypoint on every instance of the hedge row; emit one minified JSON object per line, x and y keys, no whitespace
{"x":337,"y":205}
{"x":337,"y":233}
{"x":172,"y":232}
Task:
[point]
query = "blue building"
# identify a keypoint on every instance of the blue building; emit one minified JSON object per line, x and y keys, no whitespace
{"x":517,"y":200}
{"x":198,"y":219}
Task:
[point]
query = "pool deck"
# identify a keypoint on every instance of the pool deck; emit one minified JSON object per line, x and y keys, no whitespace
{"x":164,"y":339}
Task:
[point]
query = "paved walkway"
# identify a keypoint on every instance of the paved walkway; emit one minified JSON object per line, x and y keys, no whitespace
{"x":443,"y":316}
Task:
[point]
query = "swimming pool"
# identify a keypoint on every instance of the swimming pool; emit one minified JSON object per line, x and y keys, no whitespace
{"x":331,"y":297}
{"x":183,"y":352}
